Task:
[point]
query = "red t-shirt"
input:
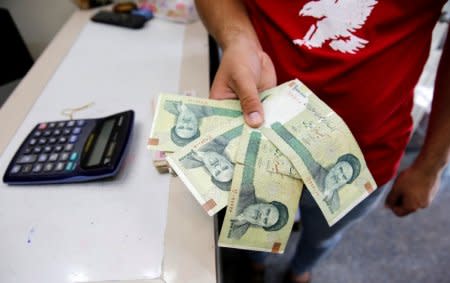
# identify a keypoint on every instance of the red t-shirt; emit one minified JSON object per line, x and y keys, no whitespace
{"x":362,"y":57}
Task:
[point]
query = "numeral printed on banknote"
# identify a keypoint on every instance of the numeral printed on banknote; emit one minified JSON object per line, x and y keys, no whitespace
{"x":320,"y":146}
{"x":180,"y":120}
{"x":261,"y":205}
{"x":206,"y":166}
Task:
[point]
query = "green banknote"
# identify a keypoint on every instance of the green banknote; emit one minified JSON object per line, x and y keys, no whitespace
{"x":181,"y":119}
{"x":269,"y":157}
{"x":206,"y":165}
{"x":261,"y":205}
{"x":320,"y":146}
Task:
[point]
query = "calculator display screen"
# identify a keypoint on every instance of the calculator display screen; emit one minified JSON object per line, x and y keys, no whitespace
{"x":100,"y":143}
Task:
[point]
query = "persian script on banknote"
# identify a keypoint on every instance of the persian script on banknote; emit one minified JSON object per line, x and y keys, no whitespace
{"x":269,"y":157}
{"x":261,"y":205}
{"x":206,"y":166}
{"x":320,"y":146}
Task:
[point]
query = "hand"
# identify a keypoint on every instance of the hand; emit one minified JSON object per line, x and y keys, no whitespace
{"x":412,"y":190}
{"x":245,"y":70}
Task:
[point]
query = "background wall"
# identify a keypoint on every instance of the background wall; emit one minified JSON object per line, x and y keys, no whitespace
{"x":38,"y":20}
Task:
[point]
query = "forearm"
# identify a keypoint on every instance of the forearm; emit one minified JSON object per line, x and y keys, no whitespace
{"x":226,"y":21}
{"x":435,"y":152}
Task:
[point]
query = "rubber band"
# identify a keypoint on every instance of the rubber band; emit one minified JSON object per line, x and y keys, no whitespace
{"x":69,"y":112}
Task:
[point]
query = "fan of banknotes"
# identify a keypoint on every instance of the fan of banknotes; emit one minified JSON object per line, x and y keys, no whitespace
{"x":259,"y":174}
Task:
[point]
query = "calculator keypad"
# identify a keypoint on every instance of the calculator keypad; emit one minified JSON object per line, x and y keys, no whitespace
{"x":51,"y":149}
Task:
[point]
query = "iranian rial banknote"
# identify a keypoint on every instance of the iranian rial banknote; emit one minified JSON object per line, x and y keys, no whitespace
{"x":206,"y":166}
{"x":269,"y":157}
{"x":320,"y":146}
{"x":181,"y":119}
{"x":261,"y":205}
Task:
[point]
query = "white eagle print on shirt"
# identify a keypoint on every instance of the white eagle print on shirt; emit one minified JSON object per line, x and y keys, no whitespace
{"x":336,"y":22}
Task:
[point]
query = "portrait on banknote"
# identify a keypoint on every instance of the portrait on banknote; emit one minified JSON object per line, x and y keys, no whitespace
{"x":188,"y":119}
{"x":329,"y":179}
{"x":251,"y":211}
{"x":214,"y":159}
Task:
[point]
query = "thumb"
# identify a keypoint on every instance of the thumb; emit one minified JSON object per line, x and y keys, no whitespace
{"x":245,"y":87}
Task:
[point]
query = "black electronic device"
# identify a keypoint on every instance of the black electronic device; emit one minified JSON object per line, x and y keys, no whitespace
{"x":120,"y":19}
{"x":72,"y":151}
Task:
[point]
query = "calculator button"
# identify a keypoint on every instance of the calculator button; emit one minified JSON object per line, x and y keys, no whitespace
{"x":42,"y":126}
{"x":66,"y":132}
{"x":53,"y":157}
{"x":27,"y":159}
{"x":37,"y":134}
{"x":48,"y":167}
{"x":71,"y":123}
{"x":73,"y":139}
{"x":37,"y":168}
{"x":68,"y":147}
{"x":47,"y":149}
{"x":47,"y":133}
{"x":27,"y":168}
{"x":70,"y":166}
{"x":52,"y":140}
{"x":28,"y":150}
{"x":52,"y":125}
{"x":64,"y":156}
{"x":15,"y":169}
{"x":43,"y":157}
{"x":76,"y":131}
{"x":62,"y":140}
{"x":42,"y":141}
{"x":59,"y":166}
{"x":73,"y":156}
{"x":58,"y":148}
{"x":60,"y":124}
{"x":37,"y":149}
{"x":80,"y":123}
{"x":32,"y":142}
{"x":56,"y":132}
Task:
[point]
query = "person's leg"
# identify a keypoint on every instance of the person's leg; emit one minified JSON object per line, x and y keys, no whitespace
{"x":257,"y":266}
{"x":317,"y":237}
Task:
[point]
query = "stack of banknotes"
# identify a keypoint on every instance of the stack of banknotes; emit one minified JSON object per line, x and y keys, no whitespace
{"x":259,"y":174}
{"x":160,"y":156}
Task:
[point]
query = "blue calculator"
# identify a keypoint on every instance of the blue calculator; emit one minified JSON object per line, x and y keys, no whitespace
{"x":72,"y":151}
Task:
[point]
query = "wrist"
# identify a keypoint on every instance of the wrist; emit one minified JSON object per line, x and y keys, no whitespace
{"x":430,"y":166}
{"x":233,"y":35}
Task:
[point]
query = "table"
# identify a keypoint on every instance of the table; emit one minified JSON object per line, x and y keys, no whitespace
{"x":189,"y":246}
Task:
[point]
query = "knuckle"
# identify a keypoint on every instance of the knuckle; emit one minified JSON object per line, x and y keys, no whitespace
{"x":425,"y":204}
{"x":249,"y":102}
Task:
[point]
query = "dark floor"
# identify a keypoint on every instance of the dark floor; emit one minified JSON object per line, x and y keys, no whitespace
{"x":6,"y":90}
{"x":380,"y":248}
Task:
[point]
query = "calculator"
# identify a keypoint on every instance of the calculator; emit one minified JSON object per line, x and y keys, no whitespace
{"x":71,"y":151}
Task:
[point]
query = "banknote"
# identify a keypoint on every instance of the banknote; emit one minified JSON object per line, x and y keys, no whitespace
{"x":206,"y":165}
{"x":320,"y":146}
{"x":160,"y":162}
{"x":179,"y":120}
{"x":269,"y":157}
{"x":261,"y":205}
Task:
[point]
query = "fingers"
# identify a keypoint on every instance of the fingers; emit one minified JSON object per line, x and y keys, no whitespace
{"x":397,"y":202}
{"x":240,"y":86}
{"x":401,"y":211}
{"x":393,"y":198}
{"x":244,"y":78}
{"x":243,"y":84}
{"x":220,"y":89}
